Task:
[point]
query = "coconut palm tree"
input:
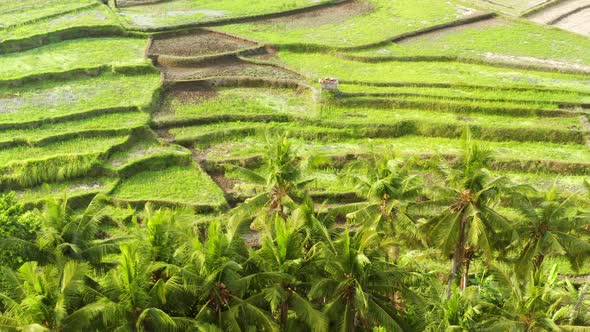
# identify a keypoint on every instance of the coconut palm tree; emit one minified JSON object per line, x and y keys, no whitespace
{"x":64,"y":236}
{"x":284,"y":252}
{"x":281,"y":180}
{"x":48,"y":298}
{"x":529,"y":304}
{"x":213,"y":276}
{"x":135,"y":292}
{"x":470,"y":223}
{"x":358,"y":288}
{"x":550,"y":227}
{"x":390,"y":188}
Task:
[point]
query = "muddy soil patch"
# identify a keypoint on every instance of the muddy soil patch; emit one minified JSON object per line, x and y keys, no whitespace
{"x":326,"y":15}
{"x":227,"y":68}
{"x":199,"y":43}
{"x":184,"y":94}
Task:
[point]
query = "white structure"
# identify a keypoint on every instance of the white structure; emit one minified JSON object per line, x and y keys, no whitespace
{"x":329,"y":84}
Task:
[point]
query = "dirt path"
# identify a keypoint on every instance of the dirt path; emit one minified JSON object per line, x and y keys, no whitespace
{"x":572,"y":15}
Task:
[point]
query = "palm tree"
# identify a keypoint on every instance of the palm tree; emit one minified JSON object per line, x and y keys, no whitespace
{"x":64,"y":236}
{"x":135,"y":292}
{"x":17,"y":229}
{"x":550,"y":227}
{"x":529,"y":304}
{"x":470,"y":223}
{"x":358,"y":288}
{"x":213,"y":276}
{"x":284,"y":253}
{"x":56,"y":298}
{"x":281,"y":180}
{"x":390,"y":188}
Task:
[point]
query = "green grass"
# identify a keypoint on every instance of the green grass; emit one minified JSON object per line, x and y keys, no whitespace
{"x":92,"y":17}
{"x":315,"y":65}
{"x":115,"y":121}
{"x":73,"y":54}
{"x":381,"y":20}
{"x":463,"y":92}
{"x":407,"y":145}
{"x":93,"y":145}
{"x":29,"y":11}
{"x":516,"y":38}
{"x":145,"y":148}
{"x":71,"y":188}
{"x":181,"y":184}
{"x":177,"y":12}
{"x":334,"y":123}
{"x":375,"y":116}
{"x":44,"y":100}
{"x":545,"y":181}
{"x":237,"y":101}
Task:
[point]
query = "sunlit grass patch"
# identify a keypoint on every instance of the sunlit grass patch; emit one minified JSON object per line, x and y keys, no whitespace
{"x":25,"y":11}
{"x":369,"y":21}
{"x":315,"y":65}
{"x":181,"y":184}
{"x":70,"y":189}
{"x":513,"y":38}
{"x":98,"y":16}
{"x":76,"y":146}
{"x":73,"y":54}
{"x":236,"y":101}
{"x":109,"y":122}
{"x":170,"y":13}
{"x":48,"y":99}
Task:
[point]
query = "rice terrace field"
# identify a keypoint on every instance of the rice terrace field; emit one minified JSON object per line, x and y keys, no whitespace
{"x":295,"y":165}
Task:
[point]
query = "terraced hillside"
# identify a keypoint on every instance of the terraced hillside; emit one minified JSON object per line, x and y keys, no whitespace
{"x":294,"y":165}
{"x":151,"y":100}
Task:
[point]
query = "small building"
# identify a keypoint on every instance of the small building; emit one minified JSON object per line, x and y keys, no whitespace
{"x":329,"y":84}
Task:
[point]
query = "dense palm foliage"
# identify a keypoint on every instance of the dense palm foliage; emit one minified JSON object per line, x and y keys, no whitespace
{"x":299,"y":269}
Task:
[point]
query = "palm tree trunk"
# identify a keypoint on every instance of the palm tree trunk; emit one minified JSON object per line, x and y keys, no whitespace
{"x":458,"y":255}
{"x":538,"y":262}
{"x":579,"y":303}
{"x":284,"y":314}
{"x":465,"y":275}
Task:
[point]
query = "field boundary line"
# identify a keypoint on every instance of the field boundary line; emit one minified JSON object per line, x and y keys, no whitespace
{"x":463,"y":85}
{"x":565,"y":15}
{"x":459,"y":98}
{"x":468,"y":60}
{"x":66,"y":136}
{"x":540,"y":7}
{"x":78,"y":32}
{"x":143,"y":68}
{"x":304,"y":47}
{"x":85,"y":114}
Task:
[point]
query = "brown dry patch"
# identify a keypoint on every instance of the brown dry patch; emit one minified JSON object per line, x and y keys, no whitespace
{"x":227,"y":185}
{"x":184,"y":94}
{"x":326,"y":15}
{"x":227,"y":68}
{"x":199,"y":43}
{"x":437,"y":34}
